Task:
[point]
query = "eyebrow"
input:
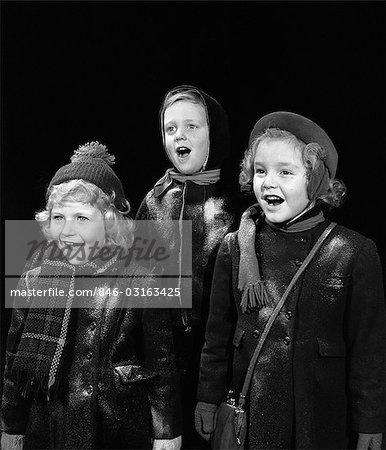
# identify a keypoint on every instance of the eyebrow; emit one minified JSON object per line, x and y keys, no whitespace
{"x":185,"y":121}
{"x":78,"y":212}
{"x":279,"y":164}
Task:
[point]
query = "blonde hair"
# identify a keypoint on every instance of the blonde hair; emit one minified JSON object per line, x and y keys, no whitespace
{"x":190,"y":95}
{"x":119,"y":227}
{"x":312,"y":156}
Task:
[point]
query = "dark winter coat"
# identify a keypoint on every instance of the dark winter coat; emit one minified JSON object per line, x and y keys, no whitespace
{"x":212,"y":219}
{"x":210,"y":209}
{"x":117,"y":386}
{"x":322,"y":369}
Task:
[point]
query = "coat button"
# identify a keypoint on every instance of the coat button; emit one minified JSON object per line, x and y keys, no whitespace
{"x":89,"y":390}
{"x":255,"y":334}
{"x":288,"y":314}
{"x":89,"y":355}
{"x":302,"y":240}
{"x":287,"y":340}
{"x":92,"y":326}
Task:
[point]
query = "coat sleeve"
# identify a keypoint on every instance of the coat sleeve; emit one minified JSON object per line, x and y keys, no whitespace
{"x":163,"y":390}
{"x":366,"y":336}
{"x":143,"y":210}
{"x":216,"y":353}
{"x":145,"y":230}
{"x":15,"y":408}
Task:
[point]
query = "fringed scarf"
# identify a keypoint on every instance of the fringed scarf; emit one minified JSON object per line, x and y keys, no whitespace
{"x":254,"y":295}
{"x":202,"y":178}
{"x":40,"y":352}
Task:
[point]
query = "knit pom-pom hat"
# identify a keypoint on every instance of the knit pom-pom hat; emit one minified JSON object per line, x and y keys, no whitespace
{"x":91,"y":162}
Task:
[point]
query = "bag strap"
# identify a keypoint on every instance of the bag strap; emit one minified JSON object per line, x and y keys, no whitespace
{"x":276,"y":311}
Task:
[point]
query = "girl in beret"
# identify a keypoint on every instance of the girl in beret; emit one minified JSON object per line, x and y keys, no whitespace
{"x":88,"y":371}
{"x":320,"y":378}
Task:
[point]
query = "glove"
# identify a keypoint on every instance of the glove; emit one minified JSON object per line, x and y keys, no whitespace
{"x":369,"y":441}
{"x":204,"y":419}
{"x":12,"y":441}
{"x":167,"y":444}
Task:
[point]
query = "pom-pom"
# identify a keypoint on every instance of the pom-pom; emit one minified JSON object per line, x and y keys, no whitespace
{"x":93,"y":150}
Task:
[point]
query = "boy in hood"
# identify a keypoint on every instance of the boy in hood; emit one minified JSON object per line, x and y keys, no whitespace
{"x":196,"y":139}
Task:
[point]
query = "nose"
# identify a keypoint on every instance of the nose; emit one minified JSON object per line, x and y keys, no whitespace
{"x":180,"y":134}
{"x":68,"y":228}
{"x":269,"y":181}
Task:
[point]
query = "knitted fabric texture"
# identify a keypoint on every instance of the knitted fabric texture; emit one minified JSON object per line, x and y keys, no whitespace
{"x":91,"y":162}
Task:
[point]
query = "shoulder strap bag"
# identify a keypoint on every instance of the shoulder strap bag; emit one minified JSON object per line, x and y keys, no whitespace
{"x":231,"y":419}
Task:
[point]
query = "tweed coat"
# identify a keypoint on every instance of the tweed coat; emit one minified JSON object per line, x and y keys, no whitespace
{"x":321,"y":372}
{"x":118,"y":384}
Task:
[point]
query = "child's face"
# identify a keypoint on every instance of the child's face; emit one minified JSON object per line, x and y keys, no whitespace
{"x":186,"y":134}
{"x":280,"y":182}
{"x":79,"y":229}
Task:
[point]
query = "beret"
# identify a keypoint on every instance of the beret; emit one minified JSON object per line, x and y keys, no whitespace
{"x":303,"y":128}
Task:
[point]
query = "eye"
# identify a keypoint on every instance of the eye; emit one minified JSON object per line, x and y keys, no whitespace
{"x":192,"y":126}
{"x":83,"y":219}
{"x":259,"y":171}
{"x":56,"y":217}
{"x":286,"y":172}
{"x":170,"y":129}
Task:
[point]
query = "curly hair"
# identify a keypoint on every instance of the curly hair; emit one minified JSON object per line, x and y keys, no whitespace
{"x":119,"y":227}
{"x":312,"y":157}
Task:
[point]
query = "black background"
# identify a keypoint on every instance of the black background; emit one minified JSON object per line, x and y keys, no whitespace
{"x":79,"y":71}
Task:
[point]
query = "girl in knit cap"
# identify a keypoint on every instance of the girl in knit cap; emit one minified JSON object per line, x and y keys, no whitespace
{"x":319,"y":381}
{"x":88,"y":370}
{"x":195,"y":136}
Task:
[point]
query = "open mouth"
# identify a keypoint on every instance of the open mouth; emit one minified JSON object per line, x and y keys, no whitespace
{"x":273,"y":200}
{"x":71,"y":244}
{"x":183,"y":152}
